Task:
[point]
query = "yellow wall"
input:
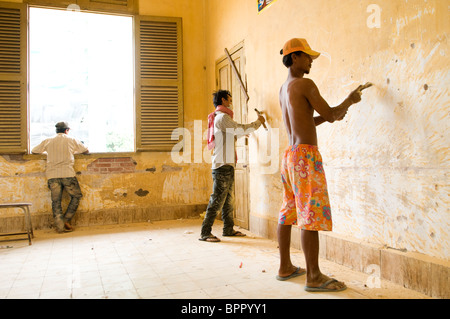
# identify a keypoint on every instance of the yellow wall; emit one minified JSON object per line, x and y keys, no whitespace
{"x":387,"y":162}
{"x":194,"y":49}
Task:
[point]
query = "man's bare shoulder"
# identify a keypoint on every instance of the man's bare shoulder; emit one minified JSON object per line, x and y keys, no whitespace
{"x":301,"y":83}
{"x":300,"y":87}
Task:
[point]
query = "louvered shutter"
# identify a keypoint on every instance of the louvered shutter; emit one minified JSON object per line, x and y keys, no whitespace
{"x":159,"y":96}
{"x":13,"y":78}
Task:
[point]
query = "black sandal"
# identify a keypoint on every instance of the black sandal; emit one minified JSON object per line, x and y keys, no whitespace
{"x":236,"y":234}
{"x":211,"y":239}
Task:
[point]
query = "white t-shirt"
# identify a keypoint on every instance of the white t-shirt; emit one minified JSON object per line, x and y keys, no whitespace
{"x":60,"y":151}
{"x":226,"y":130}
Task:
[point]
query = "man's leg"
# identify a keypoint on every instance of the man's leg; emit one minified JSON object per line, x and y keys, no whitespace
{"x":310,"y":247}
{"x":284,"y":244}
{"x":55,"y":186}
{"x":314,"y":277}
{"x":215,"y":203}
{"x":287,"y":218}
{"x":228,"y":206}
{"x":73,"y":189}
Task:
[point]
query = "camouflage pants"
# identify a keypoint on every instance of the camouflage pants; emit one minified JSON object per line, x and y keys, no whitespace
{"x":56,"y":186}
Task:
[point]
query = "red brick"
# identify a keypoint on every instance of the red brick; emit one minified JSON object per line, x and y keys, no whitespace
{"x":102,"y":165}
{"x":105,"y":160}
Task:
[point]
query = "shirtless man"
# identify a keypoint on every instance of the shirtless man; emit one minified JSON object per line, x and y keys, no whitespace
{"x":305,"y":195}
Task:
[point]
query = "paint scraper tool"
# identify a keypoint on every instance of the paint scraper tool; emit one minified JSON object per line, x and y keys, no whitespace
{"x":259,"y":113}
{"x":365,"y":86}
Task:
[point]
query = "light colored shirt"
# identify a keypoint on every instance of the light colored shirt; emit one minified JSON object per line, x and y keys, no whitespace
{"x":226,"y":130}
{"x":60,"y":151}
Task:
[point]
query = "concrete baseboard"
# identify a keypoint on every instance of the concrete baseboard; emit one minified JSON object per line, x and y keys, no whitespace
{"x":9,"y":224}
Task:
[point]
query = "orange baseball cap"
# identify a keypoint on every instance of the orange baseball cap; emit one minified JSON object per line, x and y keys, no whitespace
{"x":298,"y":44}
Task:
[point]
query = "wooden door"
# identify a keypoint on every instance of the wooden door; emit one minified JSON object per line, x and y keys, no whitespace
{"x":227,"y":80}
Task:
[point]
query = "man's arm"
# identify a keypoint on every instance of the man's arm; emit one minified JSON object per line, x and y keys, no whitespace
{"x":79,"y":147}
{"x":226,"y":122}
{"x":319,"y":120}
{"x":329,"y":114}
{"x":39,"y":149}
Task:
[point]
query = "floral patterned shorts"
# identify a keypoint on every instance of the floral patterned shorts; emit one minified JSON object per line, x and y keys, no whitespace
{"x":305,"y":193}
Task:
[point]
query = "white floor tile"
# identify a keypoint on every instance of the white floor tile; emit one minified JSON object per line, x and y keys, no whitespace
{"x":159,"y":260}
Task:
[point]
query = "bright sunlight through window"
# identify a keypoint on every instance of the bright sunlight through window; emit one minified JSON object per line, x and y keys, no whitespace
{"x":81,"y":72}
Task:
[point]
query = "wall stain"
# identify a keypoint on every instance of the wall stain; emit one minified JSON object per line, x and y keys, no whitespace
{"x":141,"y":192}
{"x":168,"y":168}
{"x":14,"y":158}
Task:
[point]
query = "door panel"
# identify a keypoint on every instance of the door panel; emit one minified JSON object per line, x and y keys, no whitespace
{"x":224,"y":78}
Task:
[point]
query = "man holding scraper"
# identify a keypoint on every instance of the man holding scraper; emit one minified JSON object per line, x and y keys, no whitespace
{"x":222,"y":132}
{"x":305,"y":194}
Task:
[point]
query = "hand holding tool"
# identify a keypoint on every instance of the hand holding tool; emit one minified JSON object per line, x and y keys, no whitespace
{"x":259,"y":113}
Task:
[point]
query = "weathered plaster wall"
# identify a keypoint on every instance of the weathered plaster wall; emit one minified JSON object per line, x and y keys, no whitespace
{"x":387,"y":163}
{"x":131,"y":186}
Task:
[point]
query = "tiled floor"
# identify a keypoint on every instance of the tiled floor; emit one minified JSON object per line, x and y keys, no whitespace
{"x":162,"y":260}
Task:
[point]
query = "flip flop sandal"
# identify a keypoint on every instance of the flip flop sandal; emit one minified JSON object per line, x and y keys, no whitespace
{"x":236,"y":234}
{"x":296,"y":273}
{"x":323,"y":287}
{"x":211,"y":239}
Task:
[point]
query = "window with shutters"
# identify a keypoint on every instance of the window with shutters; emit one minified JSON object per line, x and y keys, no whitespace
{"x":159,"y":82}
{"x":157,"y":104}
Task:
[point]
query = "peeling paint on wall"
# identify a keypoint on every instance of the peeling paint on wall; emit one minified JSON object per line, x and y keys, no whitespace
{"x":144,"y":187}
{"x":14,"y":158}
{"x":168,"y":168}
{"x":187,"y":186}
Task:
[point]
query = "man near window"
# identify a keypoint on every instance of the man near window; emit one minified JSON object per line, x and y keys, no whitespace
{"x":60,"y":151}
{"x":305,"y":194}
{"x":222,"y":133}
